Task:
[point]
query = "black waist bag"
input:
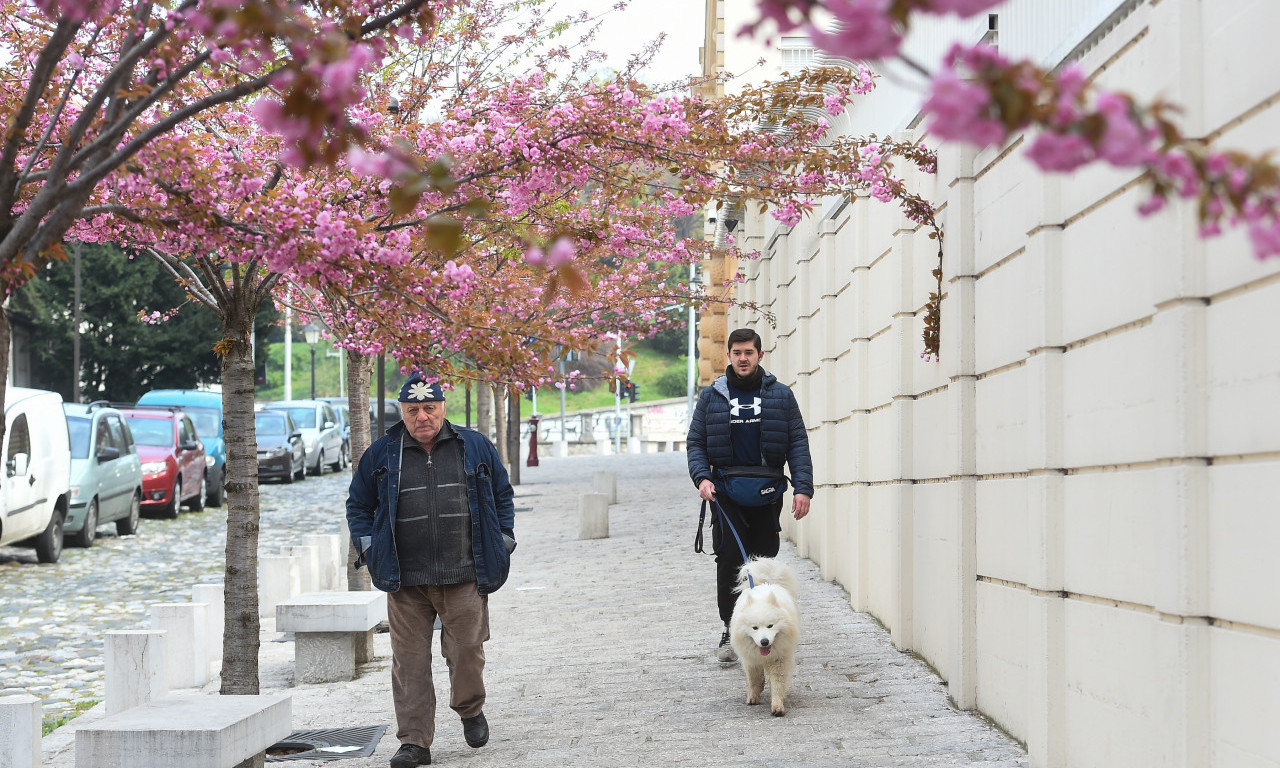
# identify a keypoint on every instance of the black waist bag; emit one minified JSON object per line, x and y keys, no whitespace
{"x":751,"y":486}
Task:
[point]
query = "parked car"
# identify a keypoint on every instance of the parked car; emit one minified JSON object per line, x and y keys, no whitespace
{"x":173,"y":459}
{"x":343,"y":410}
{"x":106,"y":473}
{"x":205,"y":410}
{"x":321,"y":436}
{"x":280,"y":450}
{"x":35,"y":484}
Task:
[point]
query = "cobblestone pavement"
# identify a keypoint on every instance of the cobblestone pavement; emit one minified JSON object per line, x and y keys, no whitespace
{"x":602,"y":652}
{"x":52,"y":617}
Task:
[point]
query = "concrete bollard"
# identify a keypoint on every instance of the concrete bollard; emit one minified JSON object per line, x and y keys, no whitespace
{"x":20,"y":731}
{"x":186,"y":659}
{"x":213,"y":596}
{"x":133,"y":665}
{"x":308,"y":565}
{"x":332,"y":561}
{"x":633,"y":445}
{"x":278,"y":580}
{"x":561,"y":449}
{"x":606,"y":482}
{"x":593,"y":516}
{"x":604,"y":447}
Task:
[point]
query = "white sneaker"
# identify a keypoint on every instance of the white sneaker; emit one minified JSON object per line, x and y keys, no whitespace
{"x":725,"y":652}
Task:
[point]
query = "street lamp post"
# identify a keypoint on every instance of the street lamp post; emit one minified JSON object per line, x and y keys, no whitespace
{"x":312,"y":334}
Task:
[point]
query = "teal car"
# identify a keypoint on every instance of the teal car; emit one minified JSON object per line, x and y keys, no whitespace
{"x":106,"y":473}
{"x":205,"y":410}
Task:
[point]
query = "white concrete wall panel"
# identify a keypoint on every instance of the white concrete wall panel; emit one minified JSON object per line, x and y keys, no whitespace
{"x":1110,"y":522}
{"x":935,"y":573}
{"x":1109,"y":388}
{"x":1244,"y":539}
{"x":1002,"y":402}
{"x":1236,"y":46}
{"x":1244,"y":373}
{"x":1002,"y":202}
{"x":1002,"y":655}
{"x":1003,"y":306}
{"x":1245,"y":697}
{"x":1229,"y":260}
{"x":933,"y":436}
{"x":1089,"y":249}
{"x":1002,"y":529}
{"x":882,"y":549}
{"x":1114,"y":686}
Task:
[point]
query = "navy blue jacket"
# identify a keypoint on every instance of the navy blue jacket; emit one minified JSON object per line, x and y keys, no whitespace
{"x":783,"y":437}
{"x":375,"y":492}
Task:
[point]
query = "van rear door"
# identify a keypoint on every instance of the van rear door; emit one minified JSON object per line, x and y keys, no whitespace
{"x":22,"y":502}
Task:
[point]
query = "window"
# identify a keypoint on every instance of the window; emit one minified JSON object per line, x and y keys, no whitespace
{"x":797,"y":53}
{"x":119,"y":435}
{"x":19,"y":438}
{"x":102,"y":437}
{"x":158,"y":432}
{"x":79,"y":431}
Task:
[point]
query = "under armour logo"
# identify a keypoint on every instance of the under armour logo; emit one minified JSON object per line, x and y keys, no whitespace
{"x":736,"y":408}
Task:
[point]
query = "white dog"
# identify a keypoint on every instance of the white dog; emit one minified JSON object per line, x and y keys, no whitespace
{"x":765,"y":629}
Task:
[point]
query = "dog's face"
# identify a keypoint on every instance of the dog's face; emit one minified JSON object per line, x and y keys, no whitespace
{"x":763,"y":621}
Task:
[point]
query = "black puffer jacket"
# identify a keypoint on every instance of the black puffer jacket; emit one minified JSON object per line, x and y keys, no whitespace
{"x":783,"y":438}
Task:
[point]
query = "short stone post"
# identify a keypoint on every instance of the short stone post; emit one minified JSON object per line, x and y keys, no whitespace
{"x":331,"y":559}
{"x":133,"y":666}
{"x":20,"y":731}
{"x":308,"y":565}
{"x":278,"y":581}
{"x":606,"y":482}
{"x":213,"y":596}
{"x":560,"y":449}
{"x":186,"y":659}
{"x":604,"y":447}
{"x":593,"y":516}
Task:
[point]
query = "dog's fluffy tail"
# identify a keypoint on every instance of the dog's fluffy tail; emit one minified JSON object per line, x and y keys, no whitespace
{"x":767,"y":570}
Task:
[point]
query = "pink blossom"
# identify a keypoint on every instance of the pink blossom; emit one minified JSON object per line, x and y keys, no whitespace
{"x":1053,"y":151}
{"x":864,"y":30}
{"x":958,"y":111}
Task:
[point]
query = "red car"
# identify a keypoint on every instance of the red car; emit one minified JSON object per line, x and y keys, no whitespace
{"x":173,"y":459}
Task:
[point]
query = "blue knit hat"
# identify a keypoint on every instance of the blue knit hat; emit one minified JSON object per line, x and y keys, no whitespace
{"x":417,"y":390}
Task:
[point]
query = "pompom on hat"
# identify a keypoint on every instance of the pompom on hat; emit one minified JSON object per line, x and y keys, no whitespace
{"x":418,"y":390}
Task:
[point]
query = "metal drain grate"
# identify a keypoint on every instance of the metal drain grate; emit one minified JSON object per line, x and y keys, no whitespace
{"x":330,"y":743}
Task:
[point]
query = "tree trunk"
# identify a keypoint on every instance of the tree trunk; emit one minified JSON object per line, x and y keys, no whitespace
{"x":513,"y":435}
{"x":484,"y":406}
{"x":359,"y":370}
{"x":500,"y":422}
{"x":240,"y":632}
{"x":6,"y":340}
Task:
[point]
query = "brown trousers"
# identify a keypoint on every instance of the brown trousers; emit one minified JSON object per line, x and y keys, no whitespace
{"x":464,"y":622}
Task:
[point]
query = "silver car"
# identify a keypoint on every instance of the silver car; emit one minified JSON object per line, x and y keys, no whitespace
{"x":321,"y":432}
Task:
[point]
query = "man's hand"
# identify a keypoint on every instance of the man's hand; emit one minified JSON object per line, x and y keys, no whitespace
{"x":799,"y":506}
{"x":707,"y":490}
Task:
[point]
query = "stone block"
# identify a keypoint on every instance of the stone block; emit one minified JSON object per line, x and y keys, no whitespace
{"x":308,"y":565}
{"x":332,"y":632}
{"x":593,"y":520}
{"x":20,"y":731}
{"x":213,"y":596}
{"x":278,"y":580}
{"x":332,"y":558}
{"x":133,"y":667}
{"x":186,"y":660}
{"x":606,"y":482}
{"x":190,"y":731}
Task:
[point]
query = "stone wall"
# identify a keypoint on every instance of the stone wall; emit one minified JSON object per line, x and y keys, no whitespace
{"x":1073,"y":515}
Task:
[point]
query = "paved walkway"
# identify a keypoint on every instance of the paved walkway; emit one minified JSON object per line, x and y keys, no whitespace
{"x":602,"y":656}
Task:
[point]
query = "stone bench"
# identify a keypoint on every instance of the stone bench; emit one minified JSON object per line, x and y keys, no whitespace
{"x":330,"y":630}
{"x":187,"y":731}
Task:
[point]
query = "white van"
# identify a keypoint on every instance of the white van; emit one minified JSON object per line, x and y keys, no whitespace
{"x":35,"y":480}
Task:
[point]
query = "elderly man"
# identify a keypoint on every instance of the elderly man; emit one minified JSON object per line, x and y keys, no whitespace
{"x":431,"y":511}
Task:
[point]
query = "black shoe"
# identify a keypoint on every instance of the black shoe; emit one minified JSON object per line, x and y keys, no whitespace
{"x":725,"y":651}
{"x":475,"y":730}
{"x":411,"y":755}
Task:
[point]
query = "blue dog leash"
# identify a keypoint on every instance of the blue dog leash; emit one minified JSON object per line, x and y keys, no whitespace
{"x":723,"y":518}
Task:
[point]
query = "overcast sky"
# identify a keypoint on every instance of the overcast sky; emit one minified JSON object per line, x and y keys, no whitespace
{"x":624,"y":32}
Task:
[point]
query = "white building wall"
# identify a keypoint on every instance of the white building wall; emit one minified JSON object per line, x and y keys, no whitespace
{"x":1074,"y":516}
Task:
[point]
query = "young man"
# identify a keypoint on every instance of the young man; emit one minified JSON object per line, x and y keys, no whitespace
{"x":746,"y":418}
{"x":432,"y":513}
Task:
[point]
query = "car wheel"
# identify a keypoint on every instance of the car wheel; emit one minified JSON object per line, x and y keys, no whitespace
{"x":319,"y":464}
{"x":84,"y":539}
{"x":197,"y":502}
{"x":49,"y":543}
{"x":217,"y":494}
{"x":171,"y":510}
{"x":290,"y":476}
{"x":127,"y":526}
